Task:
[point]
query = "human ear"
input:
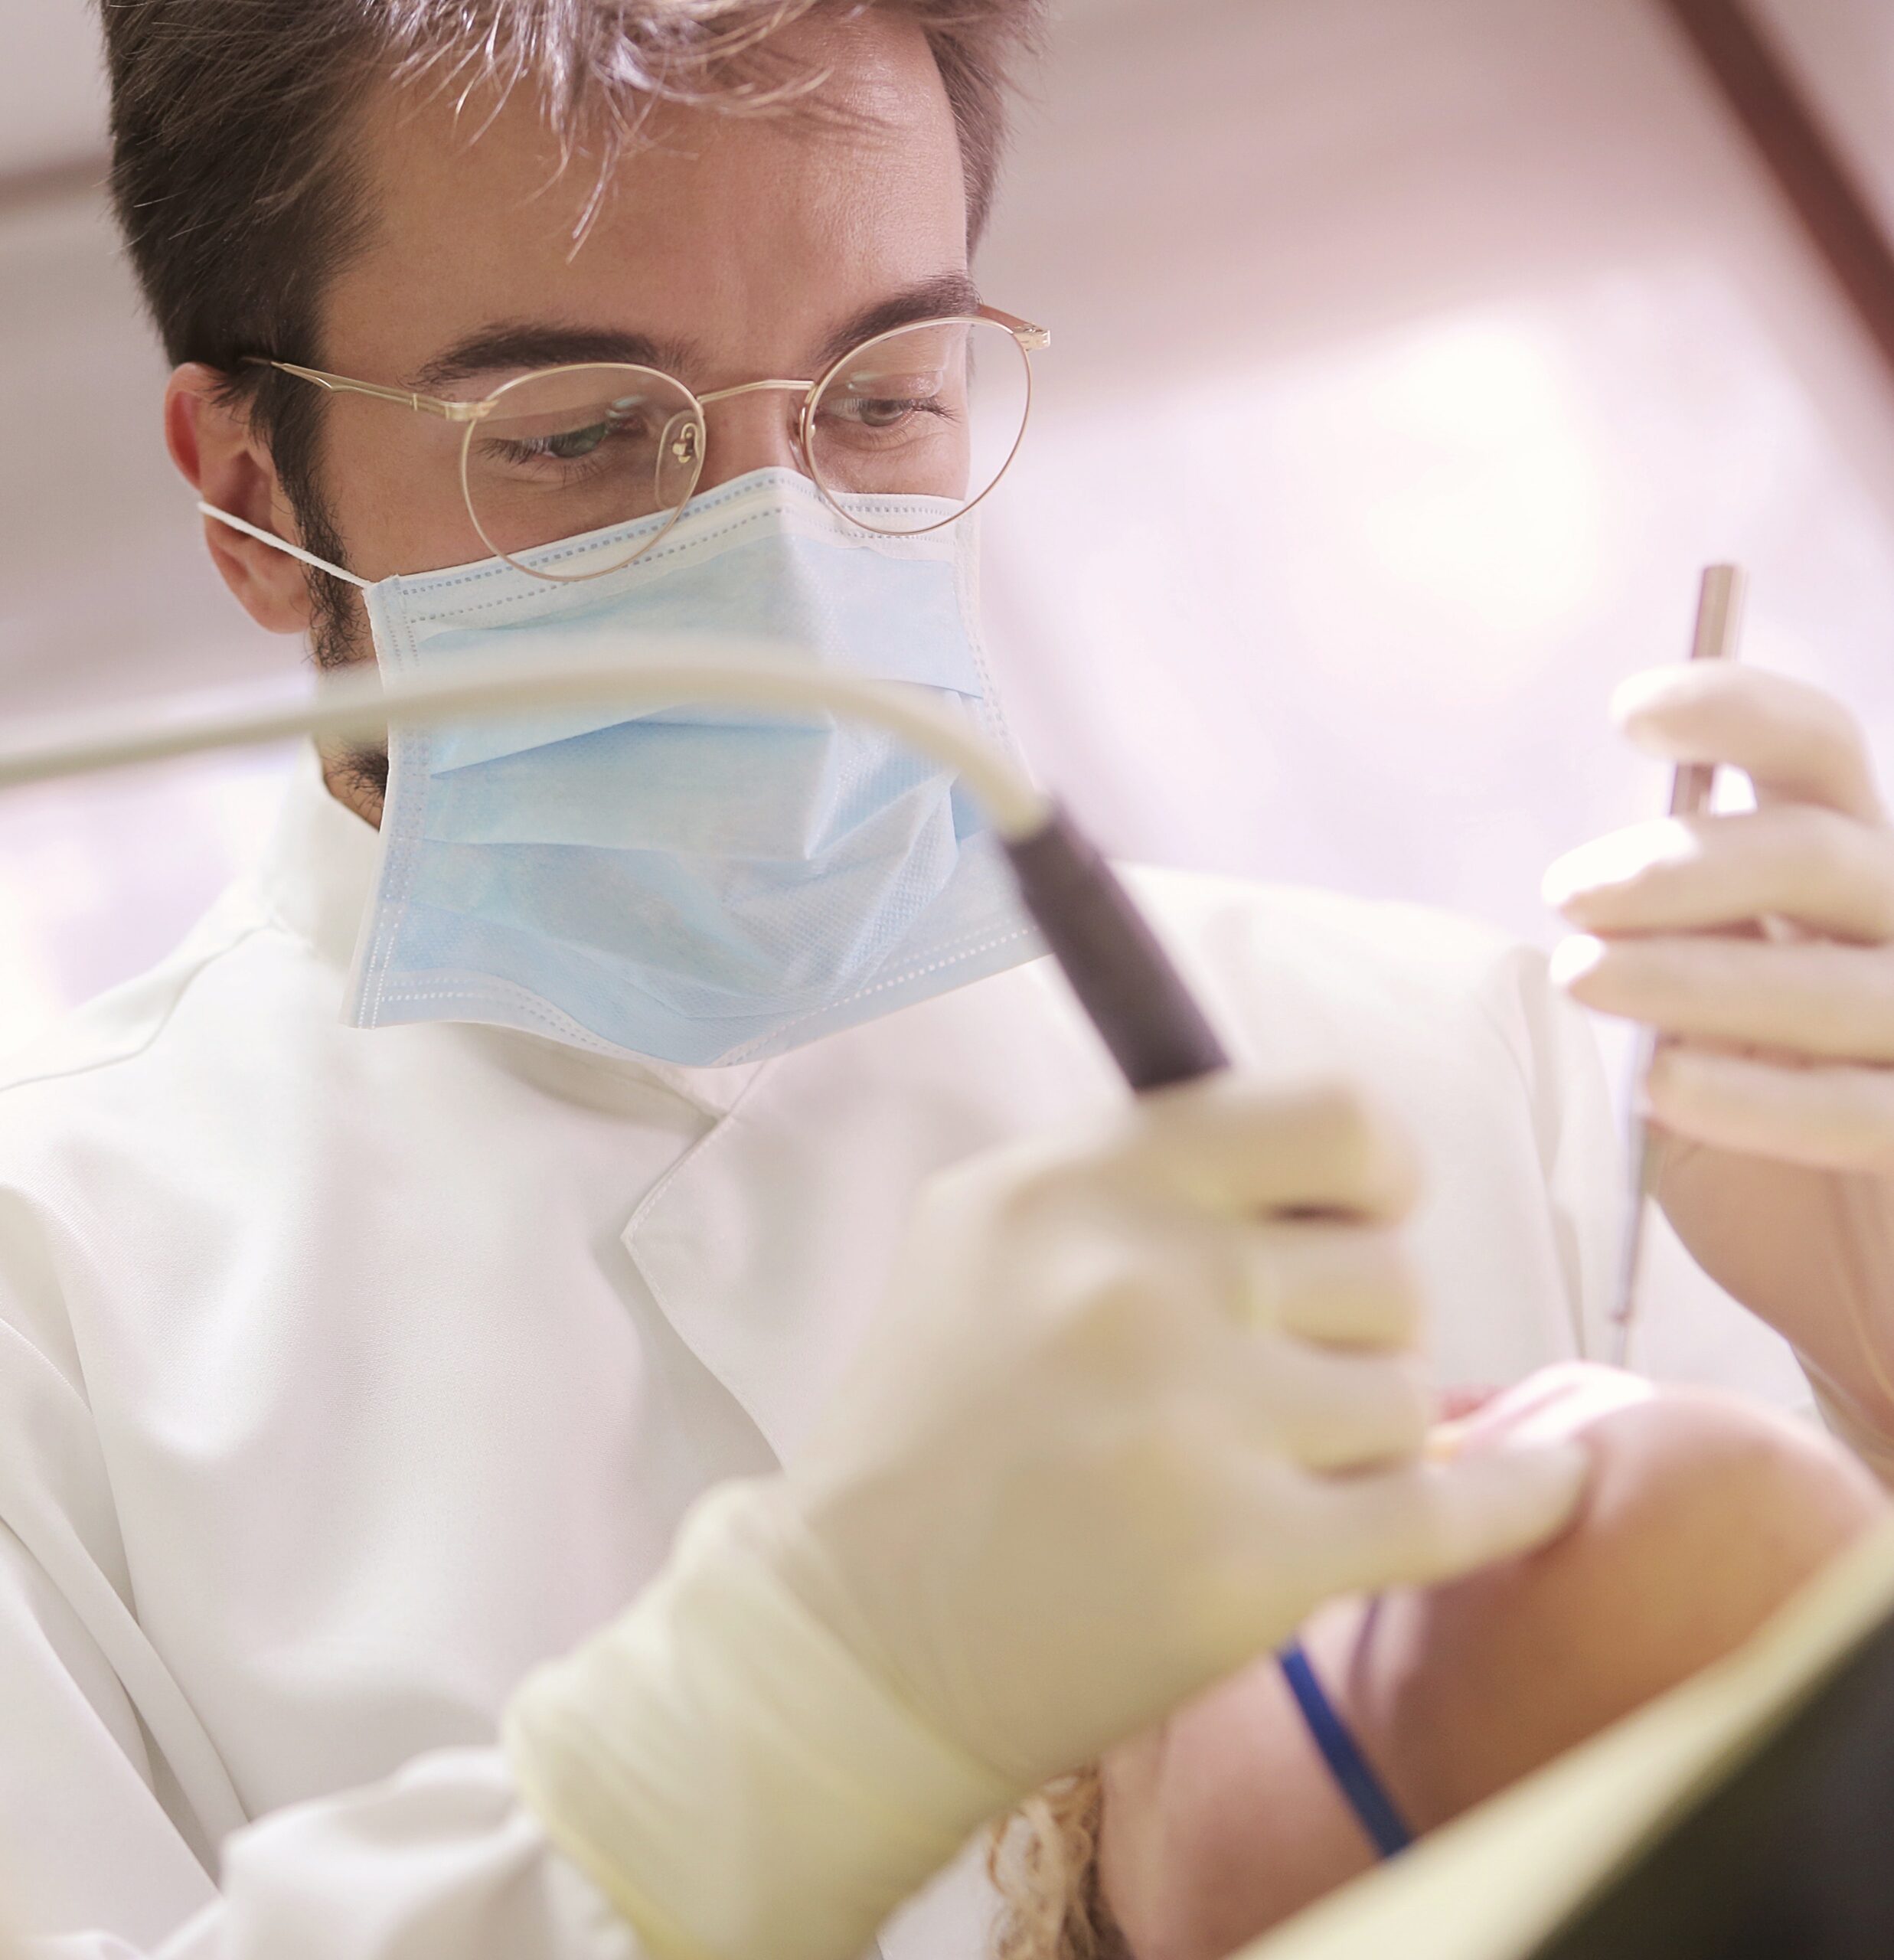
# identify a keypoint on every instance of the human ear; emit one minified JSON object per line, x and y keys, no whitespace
{"x":211,"y":440}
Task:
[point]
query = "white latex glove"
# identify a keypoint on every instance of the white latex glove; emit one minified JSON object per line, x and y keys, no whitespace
{"x":1141,"y":1399}
{"x":1762,"y":944}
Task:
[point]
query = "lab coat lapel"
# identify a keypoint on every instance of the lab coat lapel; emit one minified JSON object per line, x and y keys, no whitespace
{"x":769,"y":1246}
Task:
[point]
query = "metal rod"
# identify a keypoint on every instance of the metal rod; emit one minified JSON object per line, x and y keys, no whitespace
{"x":1719,"y":620}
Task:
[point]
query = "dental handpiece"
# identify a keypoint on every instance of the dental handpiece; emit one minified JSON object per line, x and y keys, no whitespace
{"x":1129,"y":990}
{"x":1719,"y":622}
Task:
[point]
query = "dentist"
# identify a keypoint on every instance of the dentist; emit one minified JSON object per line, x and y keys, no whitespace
{"x":427,"y":1273}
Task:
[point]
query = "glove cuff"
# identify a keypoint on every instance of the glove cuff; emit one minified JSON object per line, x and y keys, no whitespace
{"x":726,"y":1769}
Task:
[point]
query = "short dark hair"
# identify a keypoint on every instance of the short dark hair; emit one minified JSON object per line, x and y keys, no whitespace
{"x":234,"y":179}
{"x":231,"y":132}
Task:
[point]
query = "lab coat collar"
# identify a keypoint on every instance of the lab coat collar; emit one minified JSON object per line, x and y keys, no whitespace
{"x":316,"y":877}
{"x":769,"y":1244}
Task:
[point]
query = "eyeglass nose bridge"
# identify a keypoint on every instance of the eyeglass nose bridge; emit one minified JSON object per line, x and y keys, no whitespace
{"x":805,"y":389}
{"x":750,"y":388}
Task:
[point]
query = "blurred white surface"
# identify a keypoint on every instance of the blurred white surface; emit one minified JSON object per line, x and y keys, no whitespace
{"x":1410,"y":357}
{"x":52,"y":101}
{"x":99,"y":880}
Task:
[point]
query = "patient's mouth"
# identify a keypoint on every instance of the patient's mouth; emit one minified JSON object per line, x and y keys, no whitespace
{"x":1551,"y":1406}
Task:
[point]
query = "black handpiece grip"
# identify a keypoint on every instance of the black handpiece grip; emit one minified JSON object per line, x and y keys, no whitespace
{"x":1124,"y":978}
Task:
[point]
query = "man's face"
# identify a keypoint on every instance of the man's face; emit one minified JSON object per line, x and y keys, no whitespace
{"x":739,"y":247}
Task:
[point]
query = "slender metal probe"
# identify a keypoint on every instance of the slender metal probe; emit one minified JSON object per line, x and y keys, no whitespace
{"x":1718,"y":623}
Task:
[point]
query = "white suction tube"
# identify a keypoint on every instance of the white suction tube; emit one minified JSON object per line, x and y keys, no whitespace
{"x":359,"y":702}
{"x":1124,"y":979}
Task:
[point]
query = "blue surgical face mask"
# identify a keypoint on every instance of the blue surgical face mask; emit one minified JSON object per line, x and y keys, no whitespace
{"x":695,"y":884}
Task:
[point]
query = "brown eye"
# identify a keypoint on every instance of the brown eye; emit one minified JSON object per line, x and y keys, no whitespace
{"x":921,"y":420}
{"x":573,"y":450}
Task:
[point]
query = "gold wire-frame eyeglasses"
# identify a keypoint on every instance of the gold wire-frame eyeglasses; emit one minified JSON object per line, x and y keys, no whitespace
{"x":676,"y":447}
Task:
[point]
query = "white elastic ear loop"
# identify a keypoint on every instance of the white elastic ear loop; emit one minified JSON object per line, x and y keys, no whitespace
{"x":283,"y":544}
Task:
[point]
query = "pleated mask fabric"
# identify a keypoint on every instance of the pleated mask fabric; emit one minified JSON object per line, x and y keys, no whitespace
{"x":695,"y":884}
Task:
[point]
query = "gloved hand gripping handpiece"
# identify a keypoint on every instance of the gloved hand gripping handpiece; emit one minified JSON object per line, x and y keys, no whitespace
{"x":896,"y":1800}
{"x":1086,"y":1464}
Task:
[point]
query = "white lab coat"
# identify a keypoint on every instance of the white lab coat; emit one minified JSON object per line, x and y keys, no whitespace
{"x":345,"y":1375}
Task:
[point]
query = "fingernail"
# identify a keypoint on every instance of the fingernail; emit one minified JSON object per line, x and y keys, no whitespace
{"x":1618,"y":860}
{"x":1561,"y":879}
{"x":1630,"y":697}
{"x":1575,"y":960}
{"x":1444,"y":1441}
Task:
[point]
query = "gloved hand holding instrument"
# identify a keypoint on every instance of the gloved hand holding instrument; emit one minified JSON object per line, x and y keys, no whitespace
{"x":1758,"y":945}
{"x":1140,"y":1400}
{"x":1718,"y":622}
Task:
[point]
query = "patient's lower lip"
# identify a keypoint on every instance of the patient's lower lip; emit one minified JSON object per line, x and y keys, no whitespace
{"x":1457,"y":1404}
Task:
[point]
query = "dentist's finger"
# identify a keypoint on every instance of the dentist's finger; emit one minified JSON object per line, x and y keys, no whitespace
{"x":1346,"y":1285}
{"x":1415,"y":1524}
{"x":1330,"y":1411}
{"x":1240,"y":1148}
{"x":1817,"y":998}
{"x":1421,"y":1525}
{"x":1796,"y":744}
{"x":1829,"y":873}
{"x":1829,"y":1117}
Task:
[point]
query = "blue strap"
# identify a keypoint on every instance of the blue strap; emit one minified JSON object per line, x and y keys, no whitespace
{"x":1366,"y":1794}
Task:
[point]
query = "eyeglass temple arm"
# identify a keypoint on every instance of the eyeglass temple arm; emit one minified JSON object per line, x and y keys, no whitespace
{"x":1031,"y":338}
{"x":341,"y":384}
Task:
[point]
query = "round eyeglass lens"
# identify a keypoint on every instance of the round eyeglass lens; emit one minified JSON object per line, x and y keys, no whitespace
{"x":915,"y":426}
{"x":571,"y":450}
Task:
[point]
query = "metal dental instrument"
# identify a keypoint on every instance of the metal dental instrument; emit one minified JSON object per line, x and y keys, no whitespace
{"x":1719,"y":622}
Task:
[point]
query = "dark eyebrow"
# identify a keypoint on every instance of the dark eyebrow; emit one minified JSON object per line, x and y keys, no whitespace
{"x":946,"y":295}
{"x":511,"y":344}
